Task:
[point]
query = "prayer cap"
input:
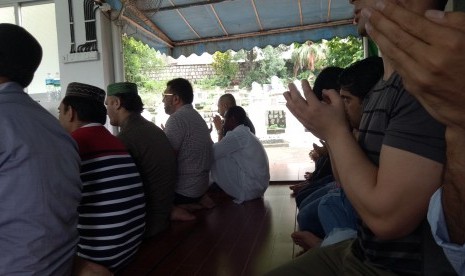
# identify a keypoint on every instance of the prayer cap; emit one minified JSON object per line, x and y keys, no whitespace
{"x":121,"y":87}
{"x":82,"y":90}
{"x":20,"y":54}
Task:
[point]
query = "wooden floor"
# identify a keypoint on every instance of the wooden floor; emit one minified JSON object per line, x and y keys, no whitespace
{"x":230,"y":239}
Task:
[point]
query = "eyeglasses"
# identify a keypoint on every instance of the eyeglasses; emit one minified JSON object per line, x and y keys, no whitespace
{"x":167,"y":94}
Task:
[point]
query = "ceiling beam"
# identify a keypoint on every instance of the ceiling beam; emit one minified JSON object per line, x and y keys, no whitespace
{"x":158,"y":32}
{"x":219,"y":20}
{"x":184,"y":6}
{"x":328,"y":18}
{"x":185,"y":20}
{"x":270,"y":32}
{"x":148,"y":33}
{"x":257,"y":16}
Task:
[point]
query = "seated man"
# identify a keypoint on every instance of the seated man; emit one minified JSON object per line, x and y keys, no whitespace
{"x":336,"y":214}
{"x":240,"y":165}
{"x":39,"y":170}
{"x":112,"y":209}
{"x":437,"y":39}
{"x":190,"y":138}
{"x":151,"y":150}
{"x":328,"y":78}
{"x":225,"y":102}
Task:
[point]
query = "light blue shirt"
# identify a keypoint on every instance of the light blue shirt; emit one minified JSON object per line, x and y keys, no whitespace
{"x":241,"y":165}
{"x":455,"y":253}
{"x":40,"y":188}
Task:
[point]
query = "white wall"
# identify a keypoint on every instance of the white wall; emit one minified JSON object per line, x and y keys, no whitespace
{"x":95,"y":72}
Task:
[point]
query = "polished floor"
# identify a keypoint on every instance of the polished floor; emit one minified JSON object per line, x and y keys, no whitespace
{"x":289,"y":163}
{"x":231,"y":239}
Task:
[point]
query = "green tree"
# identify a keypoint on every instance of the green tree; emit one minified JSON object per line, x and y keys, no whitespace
{"x":225,"y":68}
{"x":306,"y":57}
{"x":269,"y":63}
{"x":139,"y":61}
{"x":343,"y":51}
{"x":310,"y":58}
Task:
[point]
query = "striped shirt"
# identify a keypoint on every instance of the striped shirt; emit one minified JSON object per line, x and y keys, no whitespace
{"x":391,"y":116}
{"x":112,"y":209}
{"x":190,"y":137}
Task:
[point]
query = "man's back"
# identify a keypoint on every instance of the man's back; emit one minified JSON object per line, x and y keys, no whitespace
{"x":190,"y":137}
{"x":112,"y":209}
{"x":240,"y":165}
{"x":41,"y":189}
{"x":156,"y":162}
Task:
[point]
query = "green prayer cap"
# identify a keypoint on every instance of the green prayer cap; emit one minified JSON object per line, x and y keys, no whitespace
{"x":121,"y":87}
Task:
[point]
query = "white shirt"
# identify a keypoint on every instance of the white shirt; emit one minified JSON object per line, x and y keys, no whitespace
{"x":240,"y":165}
{"x":455,"y":253}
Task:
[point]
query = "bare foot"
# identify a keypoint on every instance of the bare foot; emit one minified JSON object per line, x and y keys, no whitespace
{"x":180,"y":214}
{"x":306,"y":239}
{"x":308,"y":175}
{"x":191,"y":206}
{"x":207,"y":202}
{"x":300,"y":253}
{"x":84,"y":267}
{"x":297,"y":187}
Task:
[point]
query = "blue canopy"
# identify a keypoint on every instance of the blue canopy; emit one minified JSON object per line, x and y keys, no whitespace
{"x":183,"y":27}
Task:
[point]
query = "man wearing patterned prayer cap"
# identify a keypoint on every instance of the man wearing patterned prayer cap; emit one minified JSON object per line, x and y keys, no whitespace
{"x":116,"y":203}
{"x":151,"y":149}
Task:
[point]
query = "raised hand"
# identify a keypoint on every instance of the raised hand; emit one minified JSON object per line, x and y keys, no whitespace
{"x":218,"y":122}
{"x":322,"y":118}
{"x":428,"y":52}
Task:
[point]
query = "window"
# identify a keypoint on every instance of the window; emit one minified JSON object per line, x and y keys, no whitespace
{"x":7,"y":15}
{"x":39,"y":20}
{"x":38,"y":17}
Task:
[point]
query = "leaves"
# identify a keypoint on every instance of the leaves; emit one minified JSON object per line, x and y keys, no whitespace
{"x":310,"y":58}
{"x":343,"y":51}
{"x":139,"y":61}
{"x":266,"y":63}
{"x":225,"y":68}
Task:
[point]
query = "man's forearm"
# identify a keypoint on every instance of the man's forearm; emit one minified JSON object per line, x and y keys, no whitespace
{"x":355,"y":171}
{"x":453,"y":196}
{"x":333,"y":165}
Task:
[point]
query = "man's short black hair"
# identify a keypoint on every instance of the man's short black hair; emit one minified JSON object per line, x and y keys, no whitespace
{"x":86,"y":109}
{"x":238,"y":113}
{"x":361,"y":76}
{"x":20,"y":54}
{"x":328,"y":78}
{"x":182,"y":88}
{"x":131,"y":102}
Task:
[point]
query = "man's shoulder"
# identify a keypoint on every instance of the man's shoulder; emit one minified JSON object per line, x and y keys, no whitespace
{"x":390,"y":95}
{"x":185,"y":115}
{"x":185,"y":111}
{"x":240,"y":132}
{"x":135,"y":126}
